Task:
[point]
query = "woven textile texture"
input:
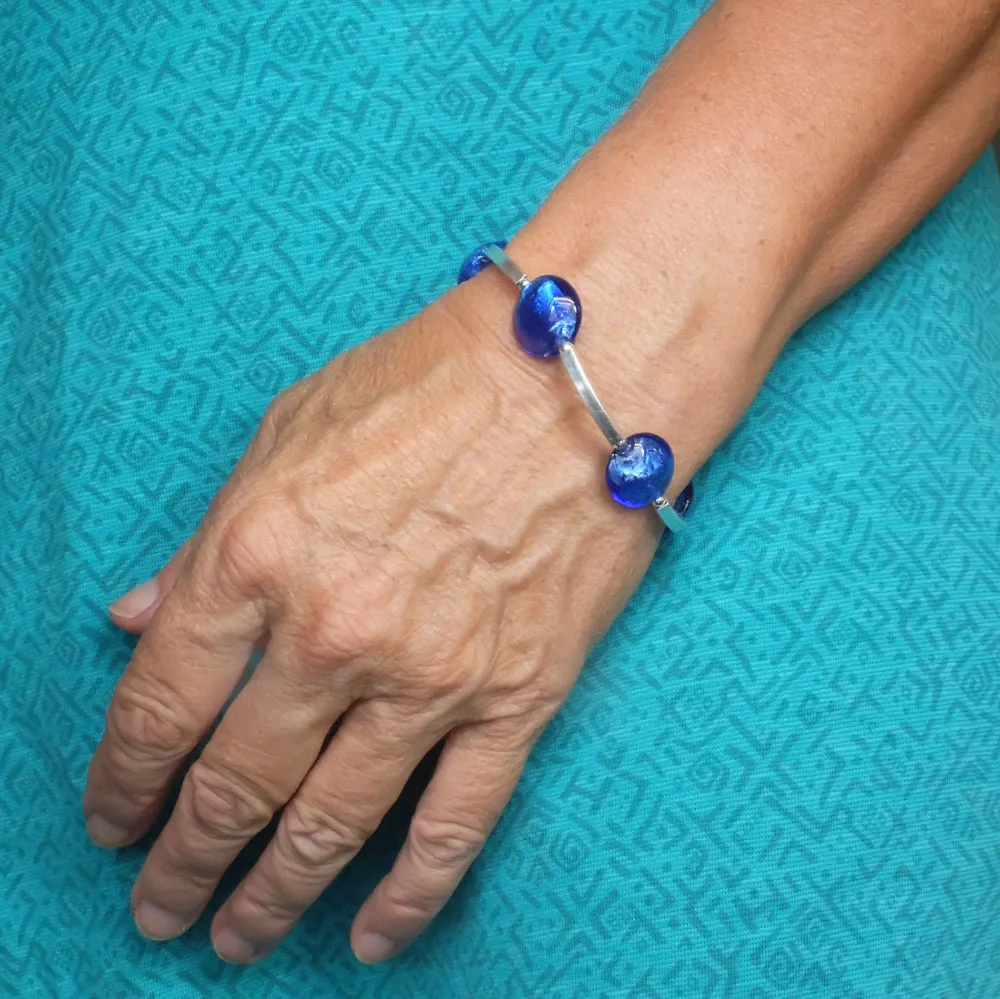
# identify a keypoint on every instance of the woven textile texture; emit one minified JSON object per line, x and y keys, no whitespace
{"x":779,"y":774}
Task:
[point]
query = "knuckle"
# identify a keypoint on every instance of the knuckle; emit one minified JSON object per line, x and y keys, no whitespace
{"x":444,"y":686}
{"x":147,"y":719}
{"x":248,"y":546}
{"x":223,"y":804}
{"x":531,"y":689}
{"x":283,"y":406}
{"x":422,"y":900}
{"x":275,"y":414}
{"x":340,"y":625}
{"x":455,"y":678}
{"x":258,"y":898}
{"x":313,"y":836}
{"x":438,"y":842}
{"x":527,"y":710}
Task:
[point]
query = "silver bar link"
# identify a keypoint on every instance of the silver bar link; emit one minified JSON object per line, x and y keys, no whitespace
{"x":509,"y":268}
{"x":674,"y":521}
{"x":571,"y":362}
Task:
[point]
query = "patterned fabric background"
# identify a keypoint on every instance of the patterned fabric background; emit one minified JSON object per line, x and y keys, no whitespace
{"x":780,"y":772}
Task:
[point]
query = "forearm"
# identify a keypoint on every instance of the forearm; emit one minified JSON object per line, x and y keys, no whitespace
{"x":778,"y":153}
{"x":825,"y":131}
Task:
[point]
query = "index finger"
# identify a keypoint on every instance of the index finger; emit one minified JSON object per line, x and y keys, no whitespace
{"x":184,"y":667}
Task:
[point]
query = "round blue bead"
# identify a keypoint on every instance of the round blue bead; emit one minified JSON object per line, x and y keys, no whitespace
{"x":477,"y":260}
{"x":639,"y":469}
{"x":547,"y":315}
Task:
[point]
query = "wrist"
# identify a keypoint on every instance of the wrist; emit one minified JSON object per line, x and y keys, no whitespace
{"x":665,"y":356}
{"x":686,"y":384}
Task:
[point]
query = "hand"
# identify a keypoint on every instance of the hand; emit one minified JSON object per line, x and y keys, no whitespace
{"x":420,"y":535}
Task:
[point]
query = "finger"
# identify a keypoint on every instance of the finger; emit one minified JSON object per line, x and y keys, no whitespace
{"x":184,"y":667}
{"x":258,"y":755}
{"x":339,"y":805}
{"x":133,"y":610}
{"x":472,"y":783}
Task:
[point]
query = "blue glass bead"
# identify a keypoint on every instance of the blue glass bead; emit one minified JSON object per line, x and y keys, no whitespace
{"x":684,"y":497}
{"x":477,"y":260}
{"x":547,"y":315}
{"x":639,"y":469}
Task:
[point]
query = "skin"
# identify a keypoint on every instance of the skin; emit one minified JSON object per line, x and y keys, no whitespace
{"x":411,"y":534}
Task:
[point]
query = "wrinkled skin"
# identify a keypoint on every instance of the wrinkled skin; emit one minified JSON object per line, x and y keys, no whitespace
{"x":420,"y":539}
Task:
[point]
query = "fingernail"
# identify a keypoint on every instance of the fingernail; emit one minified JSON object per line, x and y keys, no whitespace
{"x":373,"y":947}
{"x":105,"y":833}
{"x":156,"y":923}
{"x":230,"y":946}
{"x":133,"y":603}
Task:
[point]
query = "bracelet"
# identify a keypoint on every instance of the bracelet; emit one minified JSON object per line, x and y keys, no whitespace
{"x":546,"y":320}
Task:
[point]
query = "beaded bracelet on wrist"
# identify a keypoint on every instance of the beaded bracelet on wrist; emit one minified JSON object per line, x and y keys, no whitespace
{"x":546,"y":320}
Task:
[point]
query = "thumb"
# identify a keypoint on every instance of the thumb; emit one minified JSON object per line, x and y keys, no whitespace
{"x":134,"y":610}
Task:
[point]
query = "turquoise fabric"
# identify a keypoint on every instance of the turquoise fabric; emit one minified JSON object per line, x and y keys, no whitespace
{"x":780,"y":772}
